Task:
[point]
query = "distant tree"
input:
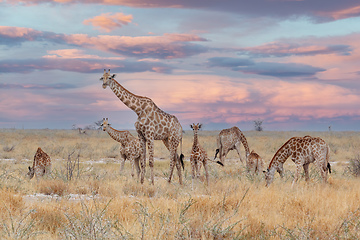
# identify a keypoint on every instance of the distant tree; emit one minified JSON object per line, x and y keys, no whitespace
{"x":258,"y":125}
{"x":98,"y":124}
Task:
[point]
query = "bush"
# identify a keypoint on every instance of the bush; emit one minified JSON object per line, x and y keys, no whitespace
{"x":354,"y":166}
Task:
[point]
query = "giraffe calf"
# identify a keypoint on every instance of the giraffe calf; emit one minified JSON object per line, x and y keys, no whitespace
{"x":41,"y":164}
{"x":254,"y":163}
{"x":198,"y":156}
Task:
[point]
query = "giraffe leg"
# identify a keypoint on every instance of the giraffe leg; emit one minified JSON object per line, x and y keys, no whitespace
{"x":142,"y":158}
{"x":306,"y":170}
{"x":297,"y":173}
{"x":237,"y":147}
{"x":178,"y":166}
{"x":123,"y":158}
{"x":320,"y":163}
{"x":136,"y":162}
{"x":193,"y":170}
{"x":206,"y":172}
{"x":151,"y":159}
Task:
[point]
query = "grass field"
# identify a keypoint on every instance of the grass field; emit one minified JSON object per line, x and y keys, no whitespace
{"x":93,"y":200}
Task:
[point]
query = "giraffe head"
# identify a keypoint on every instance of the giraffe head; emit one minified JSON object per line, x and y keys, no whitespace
{"x":105,"y":123}
{"x":106,"y":78}
{"x":195,"y":127}
{"x":269,"y":176}
{"x":31,"y":172}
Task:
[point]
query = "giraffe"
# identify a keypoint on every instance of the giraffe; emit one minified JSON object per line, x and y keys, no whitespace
{"x":230,"y":139}
{"x":254,"y":163}
{"x":303,"y":151}
{"x":198,"y":156}
{"x":152,"y":124}
{"x":130,"y":147}
{"x":41,"y":164}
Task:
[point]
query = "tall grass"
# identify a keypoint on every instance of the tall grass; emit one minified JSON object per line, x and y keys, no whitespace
{"x":100,"y":203}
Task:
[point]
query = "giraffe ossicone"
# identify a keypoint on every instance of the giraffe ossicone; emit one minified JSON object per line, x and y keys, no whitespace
{"x":152,"y":124}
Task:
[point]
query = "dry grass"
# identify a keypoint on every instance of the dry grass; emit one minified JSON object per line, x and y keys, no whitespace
{"x":101,"y":203}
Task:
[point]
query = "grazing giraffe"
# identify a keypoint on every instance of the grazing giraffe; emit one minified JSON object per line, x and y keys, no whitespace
{"x":41,"y":164}
{"x":130,"y":147}
{"x":303,"y":151}
{"x":152,"y":124}
{"x":198,"y":156}
{"x":254,"y":163}
{"x":230,"y":139}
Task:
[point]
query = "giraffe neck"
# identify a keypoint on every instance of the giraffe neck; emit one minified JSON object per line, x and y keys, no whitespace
{"x":243,"y":141}
{"x":281,"y":155}
{"x":119,"y":136}
{"x":195,"y":139}
{"x":134,"y":102}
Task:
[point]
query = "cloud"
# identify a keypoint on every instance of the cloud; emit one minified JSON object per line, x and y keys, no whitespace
{"x":167,"y":46}
{"x":229,"y":62}
{"x":353,"y":11}
{"x":80,"y":65}
{"x":321,"y":10}
{"x":36,"y":86}
{"x":280,"y":69}
{"x":107,"y":22}
{"x":16,"y":35}
{"x":265,"y":68}
{"x":284,"y":49}
{"x":76,"y":53}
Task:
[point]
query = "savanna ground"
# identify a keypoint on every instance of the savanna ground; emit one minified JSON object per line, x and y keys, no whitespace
{"x":87,"y":198}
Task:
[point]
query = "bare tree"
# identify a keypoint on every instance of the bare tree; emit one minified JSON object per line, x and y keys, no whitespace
{"x":258,"y":125}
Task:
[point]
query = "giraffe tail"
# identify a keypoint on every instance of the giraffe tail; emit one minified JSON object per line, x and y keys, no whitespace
{"x":218,"y":162}
{"x":327,"y":159}
{"x":181,"y":154}
{"x":216,"y":153}
{"x":182,"y":161}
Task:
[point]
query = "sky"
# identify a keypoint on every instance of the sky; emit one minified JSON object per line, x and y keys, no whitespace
{"x":293,"y":64}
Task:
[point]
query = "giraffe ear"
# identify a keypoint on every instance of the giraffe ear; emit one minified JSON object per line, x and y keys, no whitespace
{"x":200,"y":125}
{"x":113,"y":76}
{"x":191,"y":126}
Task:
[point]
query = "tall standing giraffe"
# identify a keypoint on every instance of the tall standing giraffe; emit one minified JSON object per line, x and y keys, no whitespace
{"x":152,"y":124}
{"x":230,"y":139}
{"x":198,"y":156}
{"x":130,"y":147}
{"x":303,"y":151}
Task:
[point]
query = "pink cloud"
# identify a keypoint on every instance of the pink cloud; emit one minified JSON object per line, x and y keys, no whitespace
{"x":75,"y":53}
{"x":167,"y":46}
{"x":342,"y":14}
{"x":107,"y":22}
{"x":320,"y":10}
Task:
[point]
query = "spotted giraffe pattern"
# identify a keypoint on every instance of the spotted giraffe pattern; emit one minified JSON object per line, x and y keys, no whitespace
{"x":255,"y":163}
{"x":198,"y":156}
{"x":41,"y":164}
{"x":152,"y":124}
{"x":303,"y":151}
{"x":130,"y":147}
{"x":230,"y":139}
